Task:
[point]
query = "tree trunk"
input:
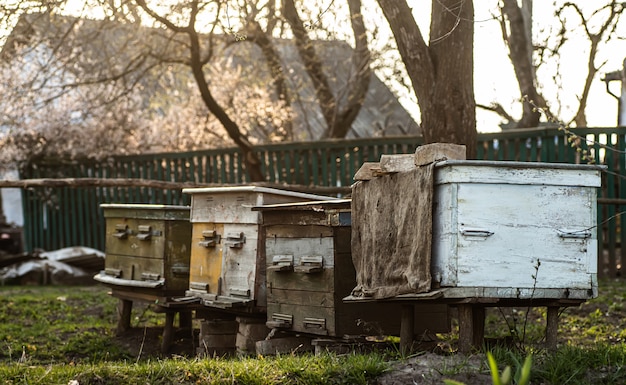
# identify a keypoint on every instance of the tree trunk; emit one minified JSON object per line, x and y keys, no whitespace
{"x":251,"y":160}
{"x":441,"y":72}
{"x":520,"y":52}
{"x":451,"y":117}
{"x":338,"y":119}
{"x":360,"y":82}
{"x":312,"y":62}
{"x":272,"y":58}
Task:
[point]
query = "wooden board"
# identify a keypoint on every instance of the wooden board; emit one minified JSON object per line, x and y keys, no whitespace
{"x":299,"y":248}
{"x":234,"y":204}
{"x":206,"y":261}
{"x":434,"y":152}
{"x":367,"y":171}
{"x":397,"y":163}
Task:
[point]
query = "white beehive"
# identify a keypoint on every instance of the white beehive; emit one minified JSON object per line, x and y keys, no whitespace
{"x":515,"y":230}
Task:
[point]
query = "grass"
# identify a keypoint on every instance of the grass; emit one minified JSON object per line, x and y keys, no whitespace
{"x":53,"y":335}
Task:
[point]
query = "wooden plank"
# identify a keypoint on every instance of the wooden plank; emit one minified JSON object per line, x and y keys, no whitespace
{"x":301,"y":315}
{"x":397,"y":163}
{"x":368,"y":171}
{"x":552,"y":327}
{"x":301,"y":247}
{"x":406,"y":328}
{"x":320,"y":282}
{"x":434,"y":152}
{"x":296,"y":231}
{"x":297,"y":296}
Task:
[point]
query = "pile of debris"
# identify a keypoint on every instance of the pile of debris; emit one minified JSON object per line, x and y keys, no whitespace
{"x":68,"y":266}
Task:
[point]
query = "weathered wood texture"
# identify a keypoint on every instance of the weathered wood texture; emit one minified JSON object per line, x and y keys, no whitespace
{"x":435,"y":152}
{"x":529,"y":228}
{"x":397,"y":163}
{"x":367,"y":171}
{"x":227,"y":250}
{"x":147,"y":243}
{"x":392,"y":233}
{"x":313,"y":303}
{"x":159,"y":184}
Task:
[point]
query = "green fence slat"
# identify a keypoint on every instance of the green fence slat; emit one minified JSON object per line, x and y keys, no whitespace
{"x":222,"y":166}
{"x":288,"y":165}
{"x":306,"y":167}
{"x":315,"y":167}
{"x":621,"y":187}
{"x":611,"y":211}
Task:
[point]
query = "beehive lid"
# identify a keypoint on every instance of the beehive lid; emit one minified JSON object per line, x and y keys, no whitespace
{"x":254,"y":189}
{"x":533,"y":173}
{"x":145,"y":211}
{"x":234,"y":204}
{"x":335,"y":204}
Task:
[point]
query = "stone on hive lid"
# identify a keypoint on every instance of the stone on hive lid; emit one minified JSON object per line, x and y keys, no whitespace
{"x":434,"y":152}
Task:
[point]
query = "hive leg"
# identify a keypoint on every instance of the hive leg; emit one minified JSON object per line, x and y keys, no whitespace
{"x":124,"y":309}
{"x":406,"y":328}
{"x":168,"y":331}
{"x":552,"y":326}
{"x":471,"y":327}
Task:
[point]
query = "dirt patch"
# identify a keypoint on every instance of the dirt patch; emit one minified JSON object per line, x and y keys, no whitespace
{"x":432,"y":368}
{"x":146,"y":343}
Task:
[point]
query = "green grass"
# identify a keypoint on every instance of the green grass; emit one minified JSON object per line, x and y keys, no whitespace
{"x":301,"y":369}
{"x":52,"y":335}
{"x":50,"y":324}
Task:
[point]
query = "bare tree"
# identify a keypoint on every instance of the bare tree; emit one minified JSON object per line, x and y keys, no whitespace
{"x":442,"y":71}
{"x":338,"y":119}
{"x":527,"y":56}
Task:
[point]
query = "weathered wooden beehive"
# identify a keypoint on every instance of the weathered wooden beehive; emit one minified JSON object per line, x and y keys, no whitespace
{"x":473,"y":234}
{"x":503,"y":230}
{"x":515,"y":230}
{"x":147,"y":248}
{"x":227,"y":251}
{"x":309,"y":272}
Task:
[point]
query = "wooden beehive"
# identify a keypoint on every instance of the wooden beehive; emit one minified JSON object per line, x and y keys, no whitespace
{"x":310,"y":271}
{"x":515,"y":230}
{"x":147,"y":248}
{"x":227,"y":251}
{"x":499,"y":230}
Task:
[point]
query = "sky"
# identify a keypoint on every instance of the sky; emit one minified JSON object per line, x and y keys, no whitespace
{"x":493,"y":73}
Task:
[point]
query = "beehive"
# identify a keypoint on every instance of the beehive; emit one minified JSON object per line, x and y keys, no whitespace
{"x":147,"y":248}
{"x":227,"y":251}
{"x":500,"y":230}
{"x":310,"y":271}
{"x":515,"y":230}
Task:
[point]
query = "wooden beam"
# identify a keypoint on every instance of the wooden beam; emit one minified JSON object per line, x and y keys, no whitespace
{"x":159,"y":184}
{"x":552,"y":326}
{"x":124,"y":309}
{"x":471,"y":327}
{"x":406,"y":328}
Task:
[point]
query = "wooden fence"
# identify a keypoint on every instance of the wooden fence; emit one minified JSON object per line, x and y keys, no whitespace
{"x":68,"y":216}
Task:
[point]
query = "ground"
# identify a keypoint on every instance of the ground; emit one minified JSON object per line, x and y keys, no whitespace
{"x":424,"y":368}
{"x":600,"y":320}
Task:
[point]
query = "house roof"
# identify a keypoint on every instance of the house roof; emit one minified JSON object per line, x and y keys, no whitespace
{"x":106,"y":44}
